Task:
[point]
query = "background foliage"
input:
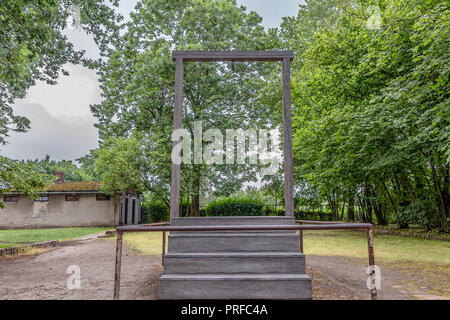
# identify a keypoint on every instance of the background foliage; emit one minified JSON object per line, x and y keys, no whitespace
{"x":371,"y":109}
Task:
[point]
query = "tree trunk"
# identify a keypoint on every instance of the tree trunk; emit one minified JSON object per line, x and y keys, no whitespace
{"x":332,"y":203}
{"x":377,"y":207}
{"x":407,"y":187}
{"x":378,"y":210}
{"x":437,"y":186}
{"x":446,"y":189}
{"x":367,"y":202}
{"x":351,"y":209}
{"x":195,"y":206}
{"x":361,"y":210}
{"x":187,"y":206}
{"x":390,"y":198}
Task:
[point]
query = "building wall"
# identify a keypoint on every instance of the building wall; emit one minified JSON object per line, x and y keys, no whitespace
{"x":57,"y":212}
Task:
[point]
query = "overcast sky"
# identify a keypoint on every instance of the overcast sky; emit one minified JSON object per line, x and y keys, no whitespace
{"x":61,"y":122}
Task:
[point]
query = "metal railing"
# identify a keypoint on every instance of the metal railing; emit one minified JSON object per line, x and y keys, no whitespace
{"x":313,"y":222}
{"x":163,"y":227}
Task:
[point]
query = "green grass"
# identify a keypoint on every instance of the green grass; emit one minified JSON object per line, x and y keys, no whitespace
{"x":5,"y":245}
{"x":149,"y":243}
{"x":22,"y":236}
{"x":412,"y":258}
{"x":420,"y":263}
{"x":387,"y":248}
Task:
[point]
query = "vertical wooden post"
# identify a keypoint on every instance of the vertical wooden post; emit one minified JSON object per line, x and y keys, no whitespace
{"x":287,"y":122}
{"x":177,"y":116}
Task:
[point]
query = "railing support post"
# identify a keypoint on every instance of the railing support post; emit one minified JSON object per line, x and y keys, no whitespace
{"x":300,"y":232}
{"x":118,"y":265}
{"x":373,"y":291}
{"x":163,"y":247}
{"x":301,"y":241}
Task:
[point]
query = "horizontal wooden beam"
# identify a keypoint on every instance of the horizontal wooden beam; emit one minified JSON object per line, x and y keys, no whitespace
{"x":233,"y":55}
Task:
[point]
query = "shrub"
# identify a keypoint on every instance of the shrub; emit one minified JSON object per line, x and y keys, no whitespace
{"x":183,"y":210}
{"x":302,"y":215}
{"x":235,"y":207}
{"x":155,"y":212}
{"x":419,"y":212}
{"x":270,"y":211}
{"x":314,"y":215}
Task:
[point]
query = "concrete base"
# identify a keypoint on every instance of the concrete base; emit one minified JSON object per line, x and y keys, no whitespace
{"x":234,"y":264}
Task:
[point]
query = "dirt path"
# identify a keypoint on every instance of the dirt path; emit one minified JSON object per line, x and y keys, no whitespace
{"x":345,"y":278}
{"x":43,"y":276}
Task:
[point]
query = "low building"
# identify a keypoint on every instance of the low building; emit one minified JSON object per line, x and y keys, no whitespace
{"x":70,"y":204}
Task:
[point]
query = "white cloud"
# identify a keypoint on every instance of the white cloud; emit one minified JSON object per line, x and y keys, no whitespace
{"x":82,"y":41}
{"x":271,"y":10}
{"x":71,"y":96}
{"x":61,"y":122}
{"x":63,"y":137}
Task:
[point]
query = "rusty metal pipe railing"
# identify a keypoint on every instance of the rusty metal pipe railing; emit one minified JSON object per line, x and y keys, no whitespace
{"x":244,"y":228}
{"x":118,"y":265}
{"x":163,"y":236}
{"x":153,"y":224}
{"x":159,"y":227}
{"x":373,"y":291}
{"x":314,"y":222}
{"x":319,"y":222}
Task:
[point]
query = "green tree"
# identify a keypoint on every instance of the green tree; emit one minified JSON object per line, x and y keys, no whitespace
{"x":129,"y":163}
{"x":34,"y":48}
{"x":48,"y":167}
{"x":20,"y":177}
{"x":274,"y":188}
{"x":371,"y":117}
{"x":138,"y":84}
{"x":87,"y":165}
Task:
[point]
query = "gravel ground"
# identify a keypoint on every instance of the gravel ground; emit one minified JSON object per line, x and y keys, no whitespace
{"x":44,"y":275}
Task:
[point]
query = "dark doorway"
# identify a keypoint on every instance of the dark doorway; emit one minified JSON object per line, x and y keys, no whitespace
{"x":133,"y":206}
{"x":126,"y":211}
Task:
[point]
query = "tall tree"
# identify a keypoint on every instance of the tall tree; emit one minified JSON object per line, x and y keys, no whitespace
{"x":33,"y":48}
{"x":20,"y":177}
{"x":138,"y":83}
{"x":372,"y":107}
{"x":72,"y":172}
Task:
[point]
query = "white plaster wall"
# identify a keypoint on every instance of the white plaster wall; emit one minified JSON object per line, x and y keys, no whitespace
{"x":87,"y":212}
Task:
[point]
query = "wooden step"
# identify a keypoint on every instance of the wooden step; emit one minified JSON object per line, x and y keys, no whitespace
{"x":232,"y":262}
{"x":233,"y":242}
{"x":235,"y":286}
